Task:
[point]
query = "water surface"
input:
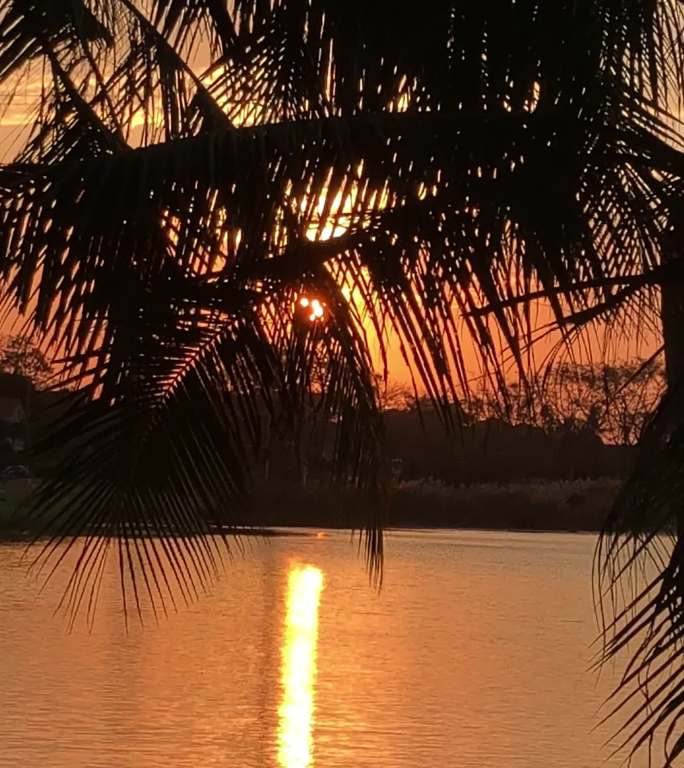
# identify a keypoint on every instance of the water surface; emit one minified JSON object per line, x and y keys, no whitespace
{"x":474,"y":653}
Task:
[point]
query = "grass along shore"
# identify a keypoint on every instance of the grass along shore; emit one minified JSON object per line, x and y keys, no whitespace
{"x":541,"y":505}
{"x":578,"y":505}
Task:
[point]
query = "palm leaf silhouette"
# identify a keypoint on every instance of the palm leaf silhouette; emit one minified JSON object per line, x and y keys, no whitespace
{"x":194,"y":167}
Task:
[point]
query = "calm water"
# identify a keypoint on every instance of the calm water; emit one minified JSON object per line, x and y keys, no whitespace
{"x":475,"y":653}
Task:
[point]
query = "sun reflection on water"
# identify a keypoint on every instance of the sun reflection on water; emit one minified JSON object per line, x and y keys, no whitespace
{"x":298,"y":670}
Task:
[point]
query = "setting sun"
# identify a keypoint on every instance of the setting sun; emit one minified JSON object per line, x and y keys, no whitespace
{"x":315,"y":306}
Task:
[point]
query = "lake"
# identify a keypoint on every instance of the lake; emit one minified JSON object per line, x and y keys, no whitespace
{"x":475,"y":652}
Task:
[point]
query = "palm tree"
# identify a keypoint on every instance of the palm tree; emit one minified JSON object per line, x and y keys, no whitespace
{"x":196,"y":168}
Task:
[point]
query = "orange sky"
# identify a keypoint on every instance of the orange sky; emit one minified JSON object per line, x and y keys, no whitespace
{"x":595,"y":343}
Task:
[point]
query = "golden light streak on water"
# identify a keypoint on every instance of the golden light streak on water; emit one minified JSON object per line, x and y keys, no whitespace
{"x":298,"y":667}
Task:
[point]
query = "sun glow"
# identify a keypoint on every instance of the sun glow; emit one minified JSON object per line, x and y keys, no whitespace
{"x":298,"y":671}
{"x":314,"y":308}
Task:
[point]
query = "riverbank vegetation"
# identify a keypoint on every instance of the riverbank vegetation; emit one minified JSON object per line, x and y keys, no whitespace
{"x":575,"y":505}
{"x":506,"y":466}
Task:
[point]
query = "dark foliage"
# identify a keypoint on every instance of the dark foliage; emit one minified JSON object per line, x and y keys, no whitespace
{"x":444,"y":162}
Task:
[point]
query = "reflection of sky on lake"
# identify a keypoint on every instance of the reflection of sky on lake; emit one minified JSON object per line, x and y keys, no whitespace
{"x":475,"y":653}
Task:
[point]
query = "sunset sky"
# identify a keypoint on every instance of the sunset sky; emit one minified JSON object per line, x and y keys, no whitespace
{"x":635,"y":340}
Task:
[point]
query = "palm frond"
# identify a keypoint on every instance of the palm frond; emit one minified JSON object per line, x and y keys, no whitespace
{"x":441,"y":166}
{"x":27,"y":27}
{"x":641,"y":586}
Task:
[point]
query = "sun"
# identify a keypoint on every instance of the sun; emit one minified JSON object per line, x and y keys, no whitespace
{"x":314,"y":307}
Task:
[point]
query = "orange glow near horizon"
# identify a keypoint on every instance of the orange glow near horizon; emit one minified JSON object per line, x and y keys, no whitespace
{"x":298,"y":669}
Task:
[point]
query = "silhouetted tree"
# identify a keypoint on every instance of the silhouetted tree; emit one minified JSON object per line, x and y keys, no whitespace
{"x":433,"y":160}
{"x":614,"y":401}
{"x":20,"y":356}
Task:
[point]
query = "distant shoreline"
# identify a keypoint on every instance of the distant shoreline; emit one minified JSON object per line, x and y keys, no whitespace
{"x":307,"y":531}
{"x":25,"y":536}
{"x":26,"y":539}
{"x":579,"y":506}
